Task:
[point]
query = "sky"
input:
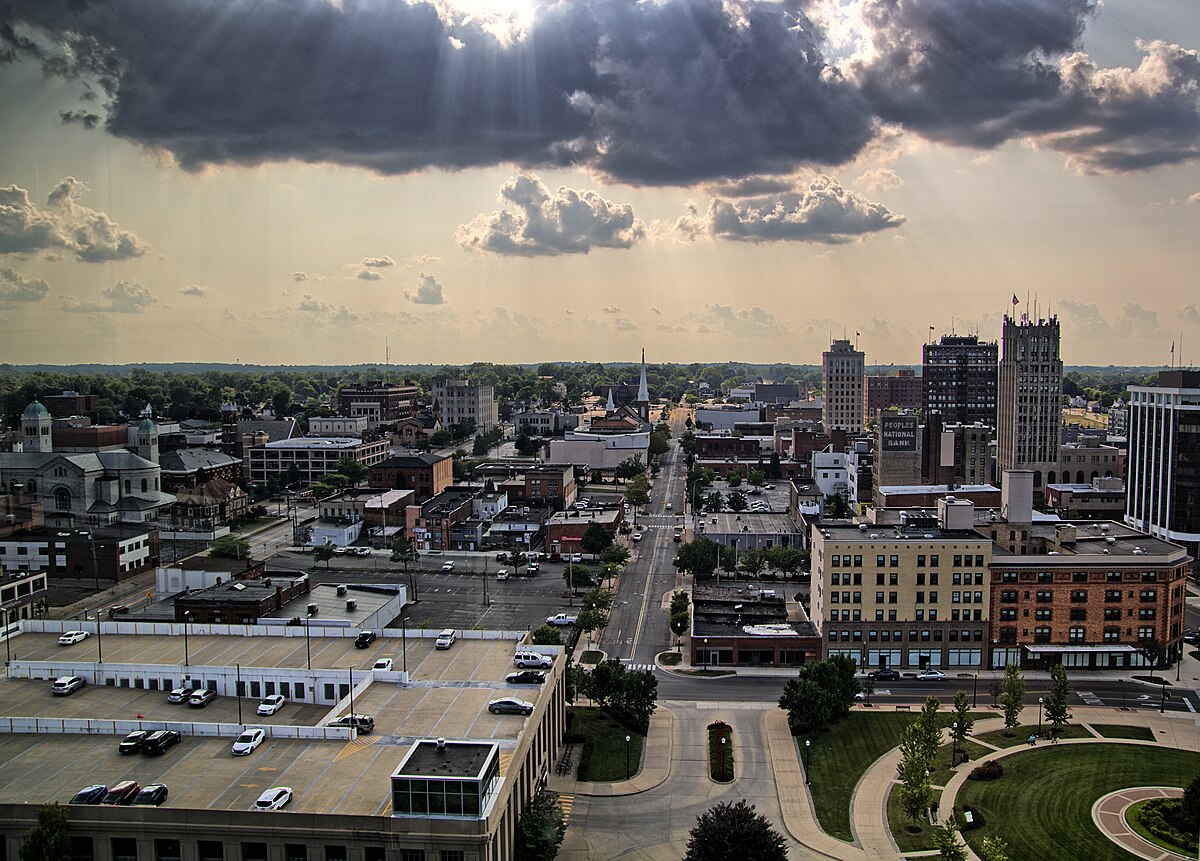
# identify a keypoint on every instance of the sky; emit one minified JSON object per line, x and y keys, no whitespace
{"x":449,"y":181}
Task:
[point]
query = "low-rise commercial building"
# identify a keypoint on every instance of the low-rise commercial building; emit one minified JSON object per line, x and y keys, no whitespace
{"x":111,"y":554}
{"x":749,"y":627}
{"x":565,"y":529}
{"x":426,"y":475}
{"x":312,"y":457}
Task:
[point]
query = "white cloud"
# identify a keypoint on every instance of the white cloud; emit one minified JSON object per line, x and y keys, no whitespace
{"x":611,"y":309}
{"x":124,"y":297}
{"x":368,"y":275}
{"x":194,"y":290}
{"x":326,"y":311}
{"x":306,"y":276}
{"x":542,"y":224}
{"x":64,"y":223}
{"x":429,"y":291}
{"x":825,"y":212}
{"x":880,"y":179}
{"x":15,"y":287}
{"x":1190,"y":314}
{"x":383,"y":262}
{"x":621,"y":324}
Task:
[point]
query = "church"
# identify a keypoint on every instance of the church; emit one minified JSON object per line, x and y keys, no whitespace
{"x":86,"y":488}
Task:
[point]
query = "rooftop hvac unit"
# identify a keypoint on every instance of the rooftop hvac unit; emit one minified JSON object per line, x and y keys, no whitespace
{"x":312,"y":609}
{"x":351,"y":605}
{"x":341,"y":589}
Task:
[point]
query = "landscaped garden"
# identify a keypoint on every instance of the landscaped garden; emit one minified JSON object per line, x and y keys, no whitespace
{"x":604,"y":753}
{"x":1020,"y":735}
{"x":1042,"y":805}
{"x":720,"y":752}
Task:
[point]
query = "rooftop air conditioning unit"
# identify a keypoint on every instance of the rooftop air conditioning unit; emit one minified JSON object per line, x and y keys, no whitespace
{"x":351,"y":605}
{"x":312,"y":609}
{"x":341,"y":589}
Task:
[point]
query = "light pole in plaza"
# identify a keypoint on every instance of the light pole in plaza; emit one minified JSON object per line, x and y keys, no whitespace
{"x":807,"y":748}
{"x":1040,"y":717}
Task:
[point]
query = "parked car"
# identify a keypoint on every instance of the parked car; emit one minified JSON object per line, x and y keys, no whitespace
{"x":245,"y":743}
{"x":668,"y":506}
{"x":132,"y":743}
{"x":883,"y":675}
{"x":180,"y":695}
{"x":156,"y":743}
{"x":535,"y":660}
{"x":532,"y":568}
{"x":66,"y":685}
{"x":362,"y":551}
{"x":637,"y":536}
{"x":384,"y":665}
{"x":122,"y":793}
{"x":363,"y":723}
{"x":201,"y":698}
{"x":342,"y":551}
{"x":154,"y":794}
{"x":445,"y":639}
{"x":274,"y":798}
{"x":576,"y":558}
{"x":270,"y":704}
{"x":70,"y":638}
{"x":502,"y":574}
{"x":502,"y":557}
{"x":561,"y":619}
{"x":526,"y":677}
{"x":447,"y":566}
{"x":511,"y":706}
{"x":93,"y":794}
{"x":364,"y":639}
{"x":113,"y":612}
{"x":931,"y":676}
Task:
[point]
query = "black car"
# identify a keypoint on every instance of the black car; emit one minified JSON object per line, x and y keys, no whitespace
{"x":883,"y":675}
{"x":156,"y":743}
{"x":90,"y":794}
{"x":132,"y":743}
{"x":1192,"y":638}
{"x":526,"y":677}
{"x":365,"y":639}
{"x":154,"y":794}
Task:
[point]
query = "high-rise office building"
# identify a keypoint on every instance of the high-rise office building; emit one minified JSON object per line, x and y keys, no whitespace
{"x":843,"y":368}
{"x":1163,"y":470}
{"x":959,"y":379}
{"x":459,"y":402}
{"x":1029,"y":398}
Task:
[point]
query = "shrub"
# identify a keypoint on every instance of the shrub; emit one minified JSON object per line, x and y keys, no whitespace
{"x":585,"y":761}
{"x":1155,"y":817}
{"x":991,"y":770}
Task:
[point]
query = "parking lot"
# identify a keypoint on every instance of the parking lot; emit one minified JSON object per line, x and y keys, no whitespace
{"x":447,"y":698}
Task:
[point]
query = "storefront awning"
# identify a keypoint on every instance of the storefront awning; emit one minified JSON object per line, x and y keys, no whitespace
{"x":1057,"y":650}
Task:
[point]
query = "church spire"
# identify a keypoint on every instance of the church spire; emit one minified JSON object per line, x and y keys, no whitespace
{"x":643,"y":389}
{"x":610,"y":407}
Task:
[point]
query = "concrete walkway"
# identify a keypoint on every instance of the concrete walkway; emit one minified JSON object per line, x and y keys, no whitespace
{"x":1109,"y":815}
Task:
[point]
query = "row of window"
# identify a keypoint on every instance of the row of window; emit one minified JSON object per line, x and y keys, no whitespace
{"x":838,"y":560}
{"x":126,"y":849}
{"x":1079,"y":614}
{"x":1078,"y":596}
{"x":1078,"y":577}
{"x":1075,"y":636}
{"x":896,"y":635}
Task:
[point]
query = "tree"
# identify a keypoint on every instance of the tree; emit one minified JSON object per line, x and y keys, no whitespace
{"x":775,"y":467}
{"x":916,"y":792}
{"x":714,"y":502}
{"x":659,"y":444}
{"x":929,"y":728}
{"x":993,"y":849}
{"x":698,"y":556}
{"x":1056,"y":699}
{"x":637,"y":493}
{"x":540,"y":829}
{"x":994,"y":690}
{"x":49,"y":840}
{"x":757,"y":477}
{"x":735,"y":477}
{"x":737,"y":501}
{"x":630,"y":467}
{"x":323,"y":553}
{"x":1153,"y":651}
{"x":734,"y":830}
{"x":614,"y":554}
{"x":595,"y":539}
{"x":1012,"y":695}
{"x":963,"y":722}
{"x":636,"y":699}
{"x":945,"y":840}
{"x":821,"y":694}
{"x":577,"y":575}
{"x":835,"y":506}
{"x":546,"y":635}
{"x":354,"y":471}
{"x":753,"y":562}
{"x":404,"y":550}
{"x":230,"y":547}
{"x":591,"y":619}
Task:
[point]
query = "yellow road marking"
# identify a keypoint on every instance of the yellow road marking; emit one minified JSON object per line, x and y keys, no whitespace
{"x":567,"y":802}
{"x":353,"y":747}
{"x":505,"y":759}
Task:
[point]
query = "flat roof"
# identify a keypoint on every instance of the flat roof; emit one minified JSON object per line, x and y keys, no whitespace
{"x":750,"y":523}
{"x":308,"y":442}
{"x":446,"y":759}
{"x":447,"y":698}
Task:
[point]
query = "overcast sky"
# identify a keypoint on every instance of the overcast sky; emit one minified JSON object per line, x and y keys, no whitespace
{"x":296,"y":181}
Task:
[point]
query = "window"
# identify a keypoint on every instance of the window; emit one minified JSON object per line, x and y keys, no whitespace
{"x":412,"y":855}
{"x":921,"y":560}
{"x":1008,"y":597}
{"x":295,"y":852}
{"x":933,"y":561}
{"x":210,"y":850}
{"x":1008,"y":614}
{"x":1078,"y":614}
{"x":335,"y":853}
{"x":254,"y":852}
{"x":1079,"y":577}
{"x":879,"y":579}
{"x":921,"y":578}
{"x":1148,"y":596}
{"x":81,"y":849}
{"x":1075,"y":635}
{"x":1114,"y":577}
{"x":1112,"y":635}
{"x":1041,"y":635}
{"x":124,"y":849}
{"x":879,"y":561}
{"x":1078,"y":596}
{"x":894,"y":562}
{"x":1045,"y":577}
{"x":1112,"y":614}
{"x":1112,"y":596}
{"x":1146,"y":614}
{"x":166,"y":850}
{"x":1145,"y":633}
{"x":1044,"y":614}
{"x":933,"y":578}
{"x":892,"y":597}
{"x":1008,"y":577}
{"x":451,"y":855}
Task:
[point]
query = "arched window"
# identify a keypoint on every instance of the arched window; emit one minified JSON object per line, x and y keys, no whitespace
{"x":62,"y":499}
{"x":145,"y":485}
{"x":1037,"y":478}
{"x":33,"y":487}
{"x":1050,"y":477}
{"x":1079,"y":477}
{"x":1095,"y":475}
{"x":127,"y":487}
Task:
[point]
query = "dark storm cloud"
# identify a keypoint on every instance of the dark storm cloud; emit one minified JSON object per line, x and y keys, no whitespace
{"x":674,"y":92}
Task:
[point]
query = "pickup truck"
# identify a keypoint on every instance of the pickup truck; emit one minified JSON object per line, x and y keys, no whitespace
{"x":562,"y":619}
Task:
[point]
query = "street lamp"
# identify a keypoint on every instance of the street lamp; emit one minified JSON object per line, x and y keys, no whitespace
{"x":706,"y":653}
{"x":307,"y":643}
{"x":975,"y":690}
{"x":238,"y":690}
{"x":7,"y":646}
{"x":807,"y":747}
{"x":186,"y":615}
{"x":1039,"y":717}
{"x":99,"y":639}
{"x":953,"y":743}
{"x":627,"y":740}
{"x":723,"y":740}
{"x":404,"y":646}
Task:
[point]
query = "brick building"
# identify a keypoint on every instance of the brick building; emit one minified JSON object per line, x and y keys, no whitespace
{"x":426,"y":475}
{"x":379,"y":402}
{"x":240,"y":602}
{"x":884,"y":391}
{"x":566,"y":529}
{"x":747,"y":627}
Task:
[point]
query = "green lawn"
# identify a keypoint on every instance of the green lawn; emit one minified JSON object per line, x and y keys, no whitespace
{"x":606,"y":739}
{"x":839,"y":757}
{"x":908,"y":841}
{"x":942,"y":772}
{"x":1117,"y":730}
{"x":1042,"y":806}
{"x":1020,"y":735}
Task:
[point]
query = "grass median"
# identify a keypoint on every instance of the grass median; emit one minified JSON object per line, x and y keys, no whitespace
{"x":606,"y":756}
{"x":1042,"y":805}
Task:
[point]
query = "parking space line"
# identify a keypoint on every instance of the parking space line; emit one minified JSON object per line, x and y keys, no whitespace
{"x":353,"y":746}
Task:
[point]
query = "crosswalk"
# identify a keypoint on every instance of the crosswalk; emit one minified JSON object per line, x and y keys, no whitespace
{"x":650,"y":667}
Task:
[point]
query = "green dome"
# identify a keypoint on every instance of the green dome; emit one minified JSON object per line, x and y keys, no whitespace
{"x":35,"y":411}
{"x":147,"y":426}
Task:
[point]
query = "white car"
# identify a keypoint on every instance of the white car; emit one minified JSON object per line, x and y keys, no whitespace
{"x":384,"y":665}
{"x":931,"y":676}
{"x":362,"y":551}
{"x":245,"y":743}
{"x":447,"y":566}
{"x":576,"y":558}
{"x":637,"y":536}
{"x":668,"y":506}
{"x":274,"y":798}
{"x":502,"y":574}
{"x":70,"y":638}
{"x":445,"y":639}
{"x":271,"y":704}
